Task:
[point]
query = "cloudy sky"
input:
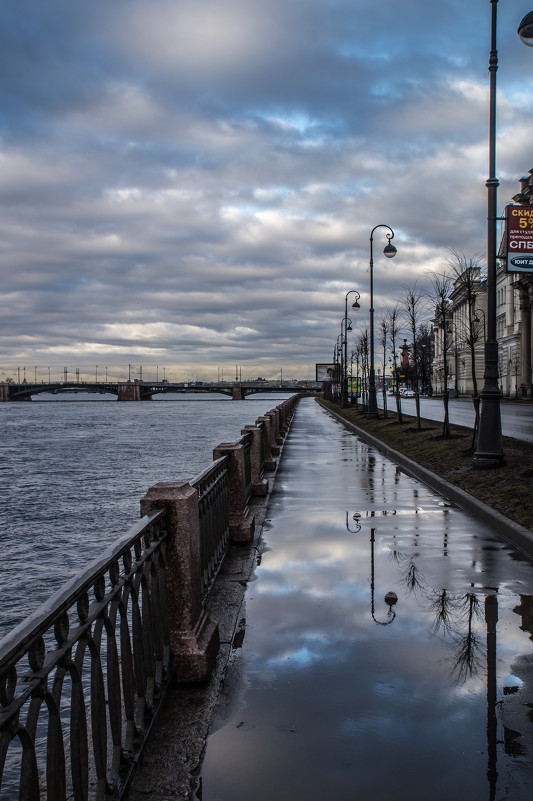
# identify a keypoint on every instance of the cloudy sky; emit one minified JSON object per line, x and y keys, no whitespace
{"x":191,"y":184}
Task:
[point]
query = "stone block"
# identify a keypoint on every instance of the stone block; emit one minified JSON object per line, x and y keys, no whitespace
{"x":194,"y":638}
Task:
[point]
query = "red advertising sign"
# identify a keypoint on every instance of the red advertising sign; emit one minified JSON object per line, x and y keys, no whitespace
{"x":519,"y":239}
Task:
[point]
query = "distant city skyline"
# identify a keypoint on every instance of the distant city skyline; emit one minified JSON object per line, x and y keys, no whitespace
{"x":193,"y":185}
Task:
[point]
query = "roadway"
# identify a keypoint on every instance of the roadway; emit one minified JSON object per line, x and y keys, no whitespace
{"x":517,"y":417}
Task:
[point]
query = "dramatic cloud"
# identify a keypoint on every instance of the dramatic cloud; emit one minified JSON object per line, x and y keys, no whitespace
{"x":192,"y":183}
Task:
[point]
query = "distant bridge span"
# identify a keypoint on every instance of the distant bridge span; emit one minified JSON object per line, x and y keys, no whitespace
{"x":145,"y":390}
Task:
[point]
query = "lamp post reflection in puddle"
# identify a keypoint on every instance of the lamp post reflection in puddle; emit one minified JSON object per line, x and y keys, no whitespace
{"x":491,"y":620}
{"x":391,"y":599}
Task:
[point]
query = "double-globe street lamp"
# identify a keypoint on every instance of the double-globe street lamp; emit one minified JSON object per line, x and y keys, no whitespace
{"x":489,"y":451}
{"x":389,"y":251}
{"x":525,"y":29}
{"x":355,"y":306}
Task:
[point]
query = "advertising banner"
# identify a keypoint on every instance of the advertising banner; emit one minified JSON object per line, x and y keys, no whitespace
{"x":354,"y":385}
{"x":326,"y":372}
{"x":519,"y":239}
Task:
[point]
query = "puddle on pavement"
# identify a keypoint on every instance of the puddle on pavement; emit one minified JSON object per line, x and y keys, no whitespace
{"x":388,"y":650}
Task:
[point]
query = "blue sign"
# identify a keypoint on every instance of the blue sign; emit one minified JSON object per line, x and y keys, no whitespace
{"x":522,"y":264}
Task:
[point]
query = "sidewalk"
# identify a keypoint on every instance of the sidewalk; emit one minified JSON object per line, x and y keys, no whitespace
{"x":362,"y":662}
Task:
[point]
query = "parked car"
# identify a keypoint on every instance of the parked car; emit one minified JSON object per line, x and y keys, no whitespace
{"x":407,"y":393}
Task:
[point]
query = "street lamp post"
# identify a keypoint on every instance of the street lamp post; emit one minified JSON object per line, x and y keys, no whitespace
{"x":489,"y":452}
{"x":355,"y":306}
{"x":389,"y":251}
{"x":391,"y":599}
{"x":340,"y":361}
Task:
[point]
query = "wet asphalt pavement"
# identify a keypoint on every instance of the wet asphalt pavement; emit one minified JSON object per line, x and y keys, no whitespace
{"x":388,"y":646}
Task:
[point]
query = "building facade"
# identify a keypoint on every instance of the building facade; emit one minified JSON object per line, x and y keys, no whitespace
{"x":459,"y":327}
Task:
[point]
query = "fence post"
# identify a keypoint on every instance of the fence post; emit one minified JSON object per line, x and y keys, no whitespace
{"x":270,"y":448}
{"x":276,"y":434}
{"x":259,"y":485}
{"x":194,"y":637}
{"x":241,"y":520}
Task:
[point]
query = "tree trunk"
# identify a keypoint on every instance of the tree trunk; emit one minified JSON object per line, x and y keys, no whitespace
{"x":446,"y":425}
{"x":475,"y":401}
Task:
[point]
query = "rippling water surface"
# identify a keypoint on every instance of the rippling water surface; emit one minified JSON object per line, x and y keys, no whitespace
{"x":72,"y":473}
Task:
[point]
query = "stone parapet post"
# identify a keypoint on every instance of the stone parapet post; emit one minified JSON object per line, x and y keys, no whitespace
{"x":278,"y":439}
{"x":279,"y":416}
{"x":259,"y":485}
{"x":194,"y":638}
{"x":270,"y":447}
{"x":241,"y":520}
{"x":285,"y":411}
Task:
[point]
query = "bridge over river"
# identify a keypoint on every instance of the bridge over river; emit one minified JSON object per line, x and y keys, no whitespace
{"x":145,"y":390}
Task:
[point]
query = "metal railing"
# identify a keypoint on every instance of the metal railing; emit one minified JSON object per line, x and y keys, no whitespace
{"x":213,"y":508}
{"x":212,"y":488}
{"x":81,"y":679}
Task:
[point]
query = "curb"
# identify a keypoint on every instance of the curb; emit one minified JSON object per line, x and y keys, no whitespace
{"x":518,"y":536}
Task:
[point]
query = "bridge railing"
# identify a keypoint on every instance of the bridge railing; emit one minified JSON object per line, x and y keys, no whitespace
{"x":83,"y":677}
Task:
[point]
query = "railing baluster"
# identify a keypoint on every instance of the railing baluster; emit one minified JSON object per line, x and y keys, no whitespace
{"x":98,"y":720}
{"x":148,"y":647}
{"x":113,"y":699}
{"x":128,"y":679}
{"x":55,"y":756}
{"x":79,"y":750}
{"x":29,"y":776}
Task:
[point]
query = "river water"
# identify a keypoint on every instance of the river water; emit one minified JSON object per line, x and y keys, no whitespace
{"x":73,"y":470}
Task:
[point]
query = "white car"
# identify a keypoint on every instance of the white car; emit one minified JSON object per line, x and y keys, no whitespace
{"x":407,"y":393}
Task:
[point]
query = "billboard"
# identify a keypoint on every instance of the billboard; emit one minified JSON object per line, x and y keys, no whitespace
{"x":354,"y":385}
{"x":519,"y":239}
{"x":327,"y":372}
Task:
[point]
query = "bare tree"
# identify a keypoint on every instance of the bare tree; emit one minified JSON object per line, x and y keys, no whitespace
{"x":467,"y":279}
{"x":442,"y":288}
{"x":356,"y":356}
{"x":423,"y":341}
{"x":414,"y":303}
{"x":394,"y":334}
{"x":384,"y":341}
